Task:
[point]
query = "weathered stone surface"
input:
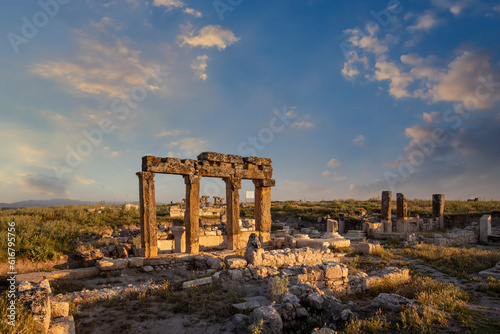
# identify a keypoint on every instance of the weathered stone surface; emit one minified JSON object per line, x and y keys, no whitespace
{"x":273,"y":324}
{"x":315,"y":300}
{"x":37,"y":301}
{"x":385,"y":215}
{"x":59,"y":309}
{"x":147,"y":269}
{"x":63,"y":325}
{"x":401,"y":213}
{"x":191,"y":216}
{"x":366,"y":248}
{"x":112,"y":264}
{"x":235,"y":274}
{"x":214,"y":263}
{"x":335,"y":271}
{"x":235,"y":263}
{"x":197,"y":282}
{"x":390,"y":301}
{"x":135,"y":262}
{"x":241,"y":322}
{"x":149,"y":228}
{"x":484,"y":228}
{"x":251,"y":303}
{"x":438,"y":208}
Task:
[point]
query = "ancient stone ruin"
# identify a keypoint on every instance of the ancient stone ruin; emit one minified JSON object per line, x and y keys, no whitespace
{"x":232,"y":169}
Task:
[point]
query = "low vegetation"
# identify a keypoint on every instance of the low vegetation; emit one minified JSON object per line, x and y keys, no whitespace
{"x":23,"y":322}
{"x":455,"y":261}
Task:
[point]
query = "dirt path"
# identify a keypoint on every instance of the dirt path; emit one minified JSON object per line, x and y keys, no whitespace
{"x":481,"y":302}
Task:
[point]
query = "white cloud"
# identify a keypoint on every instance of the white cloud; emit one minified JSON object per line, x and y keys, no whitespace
{"x":350,"y":69}
{"x":193,"y":12}
{"x":107,"y":69}
{"x":359,"y":140}
{"x":432,"y":117}
{"x":399,"y":80}
{"x":334,"y":163}
{"x":334,"y":176}
{"x":464,"y":81}
{"x":454,"y":6}
{"x":425,"y":22}
{"x":174,"y":132}
{"x":190,"y":146}
{"x":105,"y":23}
{"x":83,"y":180}
{"x":199,"y":67}
{"x":368,"y":43}
{"x":168,"y":3}
{"x":208,"y":36}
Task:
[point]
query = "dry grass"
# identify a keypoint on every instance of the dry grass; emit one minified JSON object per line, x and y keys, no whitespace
{"x":23,"y":323}
{"x":455,"y":261}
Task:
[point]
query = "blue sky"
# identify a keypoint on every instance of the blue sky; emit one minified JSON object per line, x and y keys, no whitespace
{"x":348,"y":98}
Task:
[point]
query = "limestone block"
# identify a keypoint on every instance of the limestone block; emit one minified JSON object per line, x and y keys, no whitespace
{"x":315,"y":300}
{"x":63,"y":325}
{"x":484,"y":228}
{"x":135,"y":262}
{"x":59,"y":309}
{"x":252,"y":303}
{"x":197,"y":282}
{"x":147,"y":269}
{"x":38,"y":302}
{"x":390,"y":301}
{"x":366,"y":248}
{"x":335,"y":271}
{"x":272,"y":320}
{"x":235,"y":263}
{"x":324,"y":330}
{"x":214,"y":263}
{"x":235,"y":274}
{"x":112,"y":264}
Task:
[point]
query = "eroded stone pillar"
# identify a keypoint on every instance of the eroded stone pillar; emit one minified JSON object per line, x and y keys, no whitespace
{"x":178,"y":232}
{"x":149,"y":228}
{"x":438,"y":208}
{"x":385,"y":216}
{"x":192,"y":213}
{"x":233,"y":185}
{"x":401,"y":213}
{"x":263,"y":209}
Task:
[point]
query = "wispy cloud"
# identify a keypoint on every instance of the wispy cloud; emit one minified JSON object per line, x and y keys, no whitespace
{"x":334,"y":163}
{"x":193,"y":12}
{"x":168,"y":3}
{"x":174,"y":132}
{"x":334,"y":176}
{"x":82,"y":180}
{"x":199,"y":67}
{"x":425,"y":22}
{"x":207,"y":37}
{"x":190,"y":146}
{"x":359,"y":140}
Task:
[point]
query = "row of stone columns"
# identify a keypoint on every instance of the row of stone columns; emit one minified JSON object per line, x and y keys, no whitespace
{"x":149,"y":240}
{"x":402,"y":211}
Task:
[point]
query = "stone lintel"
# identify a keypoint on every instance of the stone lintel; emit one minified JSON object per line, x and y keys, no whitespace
{"x":258,"y":161}
{"x":219,"y":157}
{"x":264,"y":183}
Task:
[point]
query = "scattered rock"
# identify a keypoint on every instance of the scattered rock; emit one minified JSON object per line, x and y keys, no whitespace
{"x":214,"y":263}
{"x":63,"y":325}
{"x":273,"y":324}
{"x":59,"y":309}
{"x":252,"y":303}
{"x":235,"y":263}
{"x":147,"y":268}
{"x":390,"y":301}
{"x":315,"y":300}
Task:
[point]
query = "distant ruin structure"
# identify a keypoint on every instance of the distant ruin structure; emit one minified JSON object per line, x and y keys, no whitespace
{"x":401,"y":213}
{"x":232,"y":169}
{"x":438,"y":208}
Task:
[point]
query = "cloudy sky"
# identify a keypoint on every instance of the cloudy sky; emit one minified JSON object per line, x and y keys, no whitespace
{"x":348,"y":98}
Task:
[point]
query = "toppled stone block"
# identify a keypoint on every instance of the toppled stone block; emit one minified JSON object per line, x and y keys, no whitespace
{"x":335,"y":271}
{"x":135,"y":262}
{"x":214,"y":263}
{"x":63,"y":325}
{"x":235,"y":263}
{"x":112,"y":264}
{"x":197,"y":282}
{"x":390,"y":301}
{"x":235,"y":274}
{"x":273,"y":323}
{"x":366,"y":248}
{"x":59,"y":309}
{"x":252,"y":303}
{"x":315,"y":300}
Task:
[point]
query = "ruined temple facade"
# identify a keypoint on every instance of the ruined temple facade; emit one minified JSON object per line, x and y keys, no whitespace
{"x":232,"y":169}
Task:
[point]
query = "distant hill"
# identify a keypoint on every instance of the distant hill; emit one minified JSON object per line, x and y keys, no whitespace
{"x":42,"y":203}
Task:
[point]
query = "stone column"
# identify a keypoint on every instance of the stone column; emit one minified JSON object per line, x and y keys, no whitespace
{"x":438,"y":208}
{"x":177,"y":231}
{"x":149,"y":228}
{"x":191,"y":216}
{"x":263,"y":209}
{"x":401,"y":213}
{"x":386,"y":216}
{"x":341,"y":223}
{"x":233,"y":185}
{"x":484,"y":228}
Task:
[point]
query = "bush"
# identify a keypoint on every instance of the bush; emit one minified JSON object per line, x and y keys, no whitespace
{"x":278,"y":287}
